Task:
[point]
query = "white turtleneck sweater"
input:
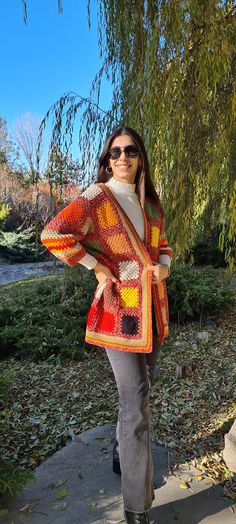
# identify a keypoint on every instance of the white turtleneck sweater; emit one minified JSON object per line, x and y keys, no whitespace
{"x":128,"y":199}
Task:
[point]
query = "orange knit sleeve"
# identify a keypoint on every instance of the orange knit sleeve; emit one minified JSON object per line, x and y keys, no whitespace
{"x":62,"y":236}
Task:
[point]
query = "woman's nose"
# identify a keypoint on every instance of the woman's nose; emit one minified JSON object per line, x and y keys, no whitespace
{"x":122,"y":156}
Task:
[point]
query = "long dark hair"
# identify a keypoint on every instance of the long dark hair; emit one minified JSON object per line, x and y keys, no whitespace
{"x":143,"y":181}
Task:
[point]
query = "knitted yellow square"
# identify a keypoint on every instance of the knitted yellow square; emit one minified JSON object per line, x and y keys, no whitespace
{"x":106,"y":215}
{"x":129,"y":297}
{"x":155,"y":233}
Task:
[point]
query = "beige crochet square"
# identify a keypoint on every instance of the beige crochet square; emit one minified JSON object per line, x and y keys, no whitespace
{"x":129,"y":270}
{"x":91,"y":192}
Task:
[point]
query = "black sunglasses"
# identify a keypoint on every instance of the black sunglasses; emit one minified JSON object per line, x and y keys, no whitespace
{"x":129,"y":151}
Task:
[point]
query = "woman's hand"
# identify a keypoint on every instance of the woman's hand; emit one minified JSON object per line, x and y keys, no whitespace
{"x":160,"y":272}
{"x":103,"y":273}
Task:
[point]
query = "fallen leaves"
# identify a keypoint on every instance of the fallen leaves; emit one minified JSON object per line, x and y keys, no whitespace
{"x":184,"y":485}
{"x":92,"y":505}
{"x":48,"y":404}
{"x":62,"y":494}
{"x":30,"y":508}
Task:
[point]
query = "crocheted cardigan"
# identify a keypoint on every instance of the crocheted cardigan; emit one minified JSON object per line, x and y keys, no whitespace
{"x":120,"y":316}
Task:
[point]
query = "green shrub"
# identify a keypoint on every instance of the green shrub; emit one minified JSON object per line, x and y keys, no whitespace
{"x":13,"y":479}
{"x":20,"y":245}
{"x":4,"y":212}
{"x":194,"y":293}
{"x":46,"y":316}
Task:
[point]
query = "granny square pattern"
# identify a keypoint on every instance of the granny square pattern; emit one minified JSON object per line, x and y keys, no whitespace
{"x":152,"y":210}
{"x":88,"y":226}
{"x":129,"y":297}
{"x":92,"y":191}
{"x":106,"y":216}
{"x":120,"y":315}
{"x":118,"y":244}
{"x":128,"y":270}
{"x":130,"y":325}
{"x":155,"y":232}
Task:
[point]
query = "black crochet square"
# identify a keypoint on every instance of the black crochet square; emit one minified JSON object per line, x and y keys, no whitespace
{"x":129,"y":325}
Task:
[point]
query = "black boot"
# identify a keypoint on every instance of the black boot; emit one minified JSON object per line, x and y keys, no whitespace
{"x":116,"y":459}
{"x":137,"y":518}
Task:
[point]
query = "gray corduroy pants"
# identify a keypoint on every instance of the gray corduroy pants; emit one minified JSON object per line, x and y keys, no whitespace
{"x":134,"y":374}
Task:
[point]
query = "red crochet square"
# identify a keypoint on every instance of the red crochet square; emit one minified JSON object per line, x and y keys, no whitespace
{"x":92,"y":311}
{"x":106,"y":322}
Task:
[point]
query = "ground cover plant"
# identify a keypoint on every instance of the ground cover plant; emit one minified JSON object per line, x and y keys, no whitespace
{"x":31,"y":314}
{"x":53,"y":400}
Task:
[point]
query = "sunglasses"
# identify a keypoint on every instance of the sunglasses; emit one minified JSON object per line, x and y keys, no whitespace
{"x":129,"y":151}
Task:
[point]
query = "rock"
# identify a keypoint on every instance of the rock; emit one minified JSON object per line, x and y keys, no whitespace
{"x":193,"y":340}
{"x":210,"y":324}
{"x":229,"y":452}
{"x":203,"y":336}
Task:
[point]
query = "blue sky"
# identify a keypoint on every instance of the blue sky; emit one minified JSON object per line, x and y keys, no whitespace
{"x":52,"y":54}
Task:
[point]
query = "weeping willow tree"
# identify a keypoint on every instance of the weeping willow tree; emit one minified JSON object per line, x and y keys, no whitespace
{"x":172,"y":65}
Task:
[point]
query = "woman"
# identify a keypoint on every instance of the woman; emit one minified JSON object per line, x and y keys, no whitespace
{"x":116,"y":227}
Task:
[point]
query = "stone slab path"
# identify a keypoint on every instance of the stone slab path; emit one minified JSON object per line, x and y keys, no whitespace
{"x":93,"y":492}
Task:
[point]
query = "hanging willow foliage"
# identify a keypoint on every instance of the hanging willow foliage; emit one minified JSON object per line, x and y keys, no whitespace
{"x":172,"y":65}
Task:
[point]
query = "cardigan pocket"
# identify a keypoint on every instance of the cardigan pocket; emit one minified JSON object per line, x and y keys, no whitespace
{"x":111,"y":296}
{"x":108,"y":293}
{"x":100,"y":289}
{"x":103,"y":313}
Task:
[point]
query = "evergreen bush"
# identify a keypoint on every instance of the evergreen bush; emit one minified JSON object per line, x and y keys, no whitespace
{"x":20,"y":245}
{"x":194,"y":293}
{"x":47,"y":316}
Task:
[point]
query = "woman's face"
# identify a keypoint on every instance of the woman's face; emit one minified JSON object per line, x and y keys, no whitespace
{"x":124,"y":168}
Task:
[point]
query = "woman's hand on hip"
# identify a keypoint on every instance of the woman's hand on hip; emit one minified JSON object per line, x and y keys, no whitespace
{"x":103,"y":273}
{"x":160,"y":272}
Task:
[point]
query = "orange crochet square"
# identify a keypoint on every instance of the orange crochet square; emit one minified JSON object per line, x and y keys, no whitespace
{"x":118,"y":244}
{"x":71,"y":213}
{"x":107,"y":216}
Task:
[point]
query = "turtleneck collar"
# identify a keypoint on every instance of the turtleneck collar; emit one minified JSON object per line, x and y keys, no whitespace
{"x":121,"y":187}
